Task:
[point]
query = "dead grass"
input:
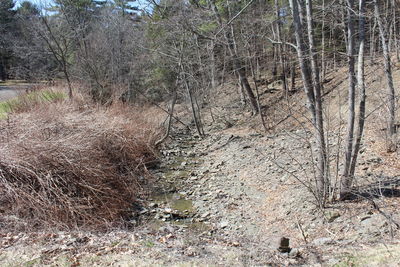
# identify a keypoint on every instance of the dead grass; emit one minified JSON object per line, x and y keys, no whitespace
{"x":69,"y":165}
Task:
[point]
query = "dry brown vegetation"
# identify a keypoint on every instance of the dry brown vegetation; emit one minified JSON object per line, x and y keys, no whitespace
{"x":70,"y":165}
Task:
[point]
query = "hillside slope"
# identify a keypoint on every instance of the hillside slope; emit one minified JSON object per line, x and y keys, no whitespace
{"x":228,"y":199}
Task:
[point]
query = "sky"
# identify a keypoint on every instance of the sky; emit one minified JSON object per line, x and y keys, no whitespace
{"x":142,"y":4}
{"x":39,"y":3}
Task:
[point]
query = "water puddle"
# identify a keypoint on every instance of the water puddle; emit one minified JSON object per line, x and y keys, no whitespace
{"x":174,"y":201}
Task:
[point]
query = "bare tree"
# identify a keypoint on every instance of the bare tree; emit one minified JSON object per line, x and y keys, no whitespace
{"x":353,"y":148}
{"x":346,"y":180}
{"x":302,"y":55}
{"x":388,"y":73}
{"x":322,"y":179}
{"x":281,"y":47}
{"x":232,"y":47}
{"x":60,"y":44}
{"x":313,"y":91}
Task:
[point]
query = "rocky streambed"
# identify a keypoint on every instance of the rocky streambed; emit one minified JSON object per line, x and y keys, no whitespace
{"x":230,"y":199}
{"x":200,"y":198}
{"x":235,"y":197}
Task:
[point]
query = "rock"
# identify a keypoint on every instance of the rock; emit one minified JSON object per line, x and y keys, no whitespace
{"x":167,"y":210}
{"x":235,"y":244}
{"x":153,"y":205}
{"x":294,"y":253}
{"x":166,"y":217}
{"x":166,"y":229}
{"x":223,"y":224}
{"x":283,"y":178}
{"x":191,"y":252}
{"x":373,"y":225}
{"x":205,"y":215}
{"x":283,"y":245}
{"x":376,"y":160}
{"x":144,"y":211}
{"x":333,"y":216}
{"x":191,"y":154}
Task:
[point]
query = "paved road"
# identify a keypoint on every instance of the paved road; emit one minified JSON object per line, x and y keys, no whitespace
{"x":7,"y":92}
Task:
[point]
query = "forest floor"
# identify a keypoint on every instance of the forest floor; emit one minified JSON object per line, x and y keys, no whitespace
{"x":228,"y":199}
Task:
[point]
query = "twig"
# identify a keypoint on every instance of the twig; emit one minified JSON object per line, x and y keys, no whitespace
{"x":301,"y":231}
{"x":234,"y":17}
{"x":163,"y":109}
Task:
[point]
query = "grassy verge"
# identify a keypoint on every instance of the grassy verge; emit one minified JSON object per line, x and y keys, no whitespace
{"x":14,"y":83}
{"x":385,"y":255}
{"x":26,"y":101}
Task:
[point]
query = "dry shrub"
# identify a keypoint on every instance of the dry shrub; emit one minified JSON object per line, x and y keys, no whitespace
{"x":69,"y":165}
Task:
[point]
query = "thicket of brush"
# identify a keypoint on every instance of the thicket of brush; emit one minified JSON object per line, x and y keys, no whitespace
{"x":70,"y":165}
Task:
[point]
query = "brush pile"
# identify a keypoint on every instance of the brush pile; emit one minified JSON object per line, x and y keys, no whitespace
{"x":68,"y":166}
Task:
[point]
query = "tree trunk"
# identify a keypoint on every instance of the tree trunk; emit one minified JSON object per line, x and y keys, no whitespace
{"x":293,"y":77}
{"x":396,"y":40}
{"x":191,"y":97}
{"x":302,"y":54}
{"x":241,"y":71}
{"x":192,"y":105}
{"x":281,"y":50}
{"x":322,"y":175}
{"x":253,"y":75}
{"x":313,"y":91}
{"x":346,"y":178}
{"x":66,"y":74}
{"x":241,"y":93}
{"x":212,"y":66}
{"x":274,"y":71}
{"x":323,"y":63}
{"x":388,"y":74}
{"x":170,"y":116}
{"x":361,"y":89}
{"x":352,"y":153}
{"x":372,"y":42}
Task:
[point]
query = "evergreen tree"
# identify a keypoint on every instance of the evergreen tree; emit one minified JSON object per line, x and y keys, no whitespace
{"x":7,"y":14}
